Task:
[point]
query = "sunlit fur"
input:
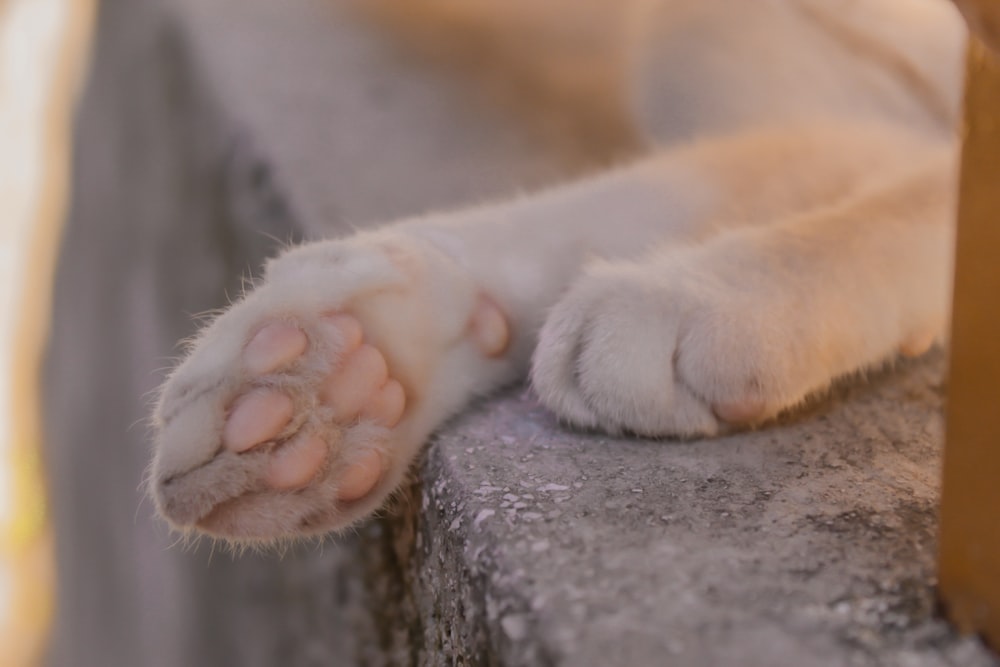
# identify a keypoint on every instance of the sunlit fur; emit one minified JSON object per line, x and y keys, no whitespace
{"x":790,"y":225}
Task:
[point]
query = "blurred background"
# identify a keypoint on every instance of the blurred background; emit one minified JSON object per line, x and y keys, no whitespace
{"x":42,"y":53}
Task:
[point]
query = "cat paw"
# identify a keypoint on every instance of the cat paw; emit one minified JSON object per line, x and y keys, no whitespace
{"x":289,"y":446}
{"x":683,"y":347}
{"x":612,"y":355}
{"x":300,"y":409}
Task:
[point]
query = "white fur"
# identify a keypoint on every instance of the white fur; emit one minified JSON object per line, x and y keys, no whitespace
{"x":794,"y":228}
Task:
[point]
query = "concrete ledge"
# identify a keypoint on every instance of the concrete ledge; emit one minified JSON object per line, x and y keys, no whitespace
{"x":808,"y":543}
{"x":519,"y":543}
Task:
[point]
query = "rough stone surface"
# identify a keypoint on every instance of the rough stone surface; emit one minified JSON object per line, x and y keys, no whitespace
{"x":810,"y":542}
{"x":213,"y":130}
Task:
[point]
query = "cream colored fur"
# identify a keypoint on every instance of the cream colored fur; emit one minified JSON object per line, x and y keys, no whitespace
{"x":791,"y":227}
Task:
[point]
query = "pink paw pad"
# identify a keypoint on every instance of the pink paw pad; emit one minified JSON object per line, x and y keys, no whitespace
{"x":489,"y":327}
{"x":273,"y":347}
{"x":295,"y":464}
{"x":361,"y":477}
{"x":740,"y":412}
{"x":360,"y":375}
{"x":917,"y":345}
{"x":256,"y":418}
{"x":357,"y":387}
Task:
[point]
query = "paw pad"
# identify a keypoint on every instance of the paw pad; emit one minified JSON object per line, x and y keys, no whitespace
{"x":356,"y":387}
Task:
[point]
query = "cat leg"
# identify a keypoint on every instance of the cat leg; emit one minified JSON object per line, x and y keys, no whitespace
{"x":708,"y":67}
{"x":696,"y":339}
{"x":300,"y":408}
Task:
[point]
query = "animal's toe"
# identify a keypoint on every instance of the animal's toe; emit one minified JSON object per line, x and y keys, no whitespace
{"x":350,"y":388}
{"x":295,"y":463}
{"x":386,"y":405}
{"x":273,"y":348}
{"x":361,"y":476}
{"x":256,"y":417}
{"x":740,"y":412}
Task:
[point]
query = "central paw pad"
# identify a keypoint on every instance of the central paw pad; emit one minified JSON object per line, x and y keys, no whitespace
{"x":357,"y":387}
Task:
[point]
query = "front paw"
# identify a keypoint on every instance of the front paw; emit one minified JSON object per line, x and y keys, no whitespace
{"x":670,"y":351}
{"x":300,"y":409}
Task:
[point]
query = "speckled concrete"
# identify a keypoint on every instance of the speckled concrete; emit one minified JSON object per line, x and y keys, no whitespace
{"x":810,"y":542}
{"x":213,"y":130}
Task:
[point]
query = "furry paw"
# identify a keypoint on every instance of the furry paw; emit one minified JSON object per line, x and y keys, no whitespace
{"x":300,"y":409}
{"x":613,"y":352}
{"x":695,"y":343}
